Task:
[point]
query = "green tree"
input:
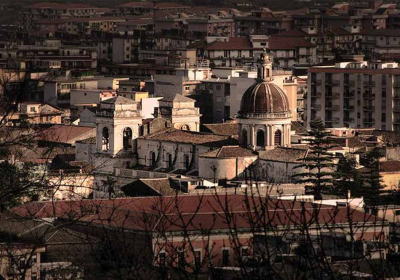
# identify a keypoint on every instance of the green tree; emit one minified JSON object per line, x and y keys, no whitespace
{"x":372,"y":180}
{"x":347,"y":178}
{"x":318,"y":165}
{"x":18,"y":184}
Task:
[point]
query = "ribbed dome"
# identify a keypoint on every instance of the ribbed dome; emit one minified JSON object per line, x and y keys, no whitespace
{"x":264,"y":98}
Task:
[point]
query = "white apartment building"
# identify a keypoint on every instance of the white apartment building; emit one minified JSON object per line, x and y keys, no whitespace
{"x":356,"y":95}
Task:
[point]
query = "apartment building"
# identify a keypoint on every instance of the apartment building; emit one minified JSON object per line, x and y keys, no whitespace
{"x":355,"y":94}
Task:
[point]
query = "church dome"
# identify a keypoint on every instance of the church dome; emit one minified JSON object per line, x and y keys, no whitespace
{"x":264,"y":98}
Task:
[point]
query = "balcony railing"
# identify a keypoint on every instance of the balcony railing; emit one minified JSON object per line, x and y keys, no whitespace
{"x":369,"y":108}
{"x":315,"y":94}
{"x":349,"y":83}
{"x":335,"y":83}
{"x":348,"y":120}
{"x":349,"y":95}
{"x":370,"y":121}
{"x":332,"y":107}
{"x":369,"y":96}
{"x":396,"y":109}
{"x":316,"y":106}
{"x":348,"y":108}
{"x":369,"y":83}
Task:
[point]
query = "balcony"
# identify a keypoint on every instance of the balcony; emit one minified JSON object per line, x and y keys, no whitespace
{"x":369,"y":121}
{"x":396,"y":109}
{"x":396,"y":84}
{"x":348,"y":95}
{"x":369,"y":96}
{"x":332,"y":107}
{"x":396,"y":121}
{"x":348,"y":119}
{"x":316,"y":107}
{"x":316,"y":94}
{"x":336,"y":120}
{"x":369,"y":83}
{"x":369,"y":108}
{"x":318,"y":83}
{"x":333,"y":95}
{"x":396,"y":96}
{"x":335,"y":83}
{"x":348,"y":108}
{"x":349,"y":83}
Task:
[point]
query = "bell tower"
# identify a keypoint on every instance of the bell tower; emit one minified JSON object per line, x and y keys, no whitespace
{"x":117,"y":126}
{"x":264,"y":73}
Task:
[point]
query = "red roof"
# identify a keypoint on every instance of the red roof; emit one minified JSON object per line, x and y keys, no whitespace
{"x":59,"y":6}
{"x":136,"y":5}
{"x":171,"y":5}
{"x":287,"y":43}
{"x":66,"y":133}
{"x":194,"y":212}
{"x":234,"y":43}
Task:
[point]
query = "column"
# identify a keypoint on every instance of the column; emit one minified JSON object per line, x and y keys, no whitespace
{"x":271,"y":135}
{"x":253,"y":144}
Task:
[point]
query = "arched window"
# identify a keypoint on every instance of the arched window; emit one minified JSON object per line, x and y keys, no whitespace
{"x":152,"y":158}
{"x":105,"y":139}
{"x":244,"y":138}
{"x":260,"y":138}
{"x":169,"y":160}
{"x":127,"y":138}
{"x":185,"y":127}
{"x":278,"y":138}
{"x":186,"y":161}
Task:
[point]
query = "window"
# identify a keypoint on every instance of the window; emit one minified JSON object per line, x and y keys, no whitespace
{"x":127,"y":138}
{"x":244,"y":138}
{"x":185,"y":127}
{"x":219,"y":87}
{"x":169,"y":160}
{"x":225,"y":257}
{"x":245,"y":252}
{"x":153,"y":159}
{"x":162,"y":257}
{"x":181,"y":259}
{"x":197,"y":258}
{"x":187,"y":88}
{"x":278,"y":138}
{"x":260,"y":138}
{"x":383,"y":117}
{"x":33,"y":109}
{"x":186,"y":162}
{"x":106,"y":139}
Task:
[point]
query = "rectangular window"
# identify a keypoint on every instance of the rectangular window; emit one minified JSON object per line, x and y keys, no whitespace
{"x":225,"y":257}
{"x":162,"y":257}
{"x":197,"y":258}
{"x":33,"y":109}
{"x":181,"y":259}
{"x":245,"y":252}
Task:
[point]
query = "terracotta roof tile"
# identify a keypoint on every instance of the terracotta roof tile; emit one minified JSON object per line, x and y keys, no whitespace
{"x":282,"y":154}
{"x":190,"y":137}
{"x":288,"y":43}
{"x":203,"y":212}
{"x":229,"y":129}
{"x":229,"y":152}
{"x":234,"y":43}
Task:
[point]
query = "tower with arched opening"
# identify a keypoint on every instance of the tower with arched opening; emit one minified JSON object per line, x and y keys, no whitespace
{"x":117,"y":121}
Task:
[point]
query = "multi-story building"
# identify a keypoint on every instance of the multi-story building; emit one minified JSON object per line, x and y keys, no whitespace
{"x":355,"y":94}
{"x":52,"y":10}
{"x":232,"y":52}
{"x":262,"y":22}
